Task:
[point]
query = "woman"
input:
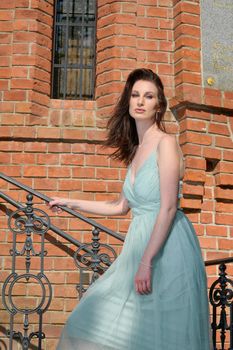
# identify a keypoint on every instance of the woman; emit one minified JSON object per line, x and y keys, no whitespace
{"x":154,"y":296}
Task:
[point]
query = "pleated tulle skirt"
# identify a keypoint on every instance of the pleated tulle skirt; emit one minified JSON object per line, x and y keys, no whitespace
{"x":112,"y":316}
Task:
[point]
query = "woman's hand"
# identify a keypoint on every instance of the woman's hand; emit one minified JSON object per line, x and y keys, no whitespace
{"x":143,"y":279}
{"x":56,"y":202}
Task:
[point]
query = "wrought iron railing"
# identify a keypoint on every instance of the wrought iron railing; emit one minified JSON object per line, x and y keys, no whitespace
{"x":91,"y":258}
{"x":221,"y":300}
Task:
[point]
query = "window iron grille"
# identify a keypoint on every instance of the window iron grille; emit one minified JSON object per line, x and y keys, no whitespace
{"x":74,"y":49}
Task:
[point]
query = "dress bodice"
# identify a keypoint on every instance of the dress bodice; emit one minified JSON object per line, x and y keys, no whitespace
{"x":144,"y":194}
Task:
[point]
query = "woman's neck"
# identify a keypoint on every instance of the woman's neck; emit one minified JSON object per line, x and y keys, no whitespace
{"x":144,"y":130}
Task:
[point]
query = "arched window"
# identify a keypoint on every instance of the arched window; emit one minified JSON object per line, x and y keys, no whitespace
{"x":73,"y":74}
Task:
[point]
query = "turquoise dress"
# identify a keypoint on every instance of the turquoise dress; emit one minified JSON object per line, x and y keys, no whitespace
{"x":112,"y":316}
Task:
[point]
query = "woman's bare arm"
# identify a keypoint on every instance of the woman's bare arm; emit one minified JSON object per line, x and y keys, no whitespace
{"x":105,"y":208}
{"x":168,"y":160}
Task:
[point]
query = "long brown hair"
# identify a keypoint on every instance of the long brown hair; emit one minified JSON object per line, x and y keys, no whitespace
{"x":122,"y":132}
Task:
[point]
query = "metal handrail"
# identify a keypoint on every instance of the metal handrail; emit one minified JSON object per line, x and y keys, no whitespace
{"x":218,"y":261}
{"x":67,"y":210}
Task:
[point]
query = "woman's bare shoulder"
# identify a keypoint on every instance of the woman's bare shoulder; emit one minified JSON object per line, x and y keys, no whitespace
{"x":169,"y":145}
{"x":167,"y":141}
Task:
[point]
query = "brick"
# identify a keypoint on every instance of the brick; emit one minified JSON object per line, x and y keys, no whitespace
{"x":35,"y":147}
{"x":107,"y":174}
{"x":222,"y":193}
{"x":166,"y":46}
{"x":224,"y":179}
{"x":209,"y":179}
{"x":215,"y":128}
{"x":6,"y":4}
{"x":22,"y":3}
{"x":189,"y":19}
{"x":48,"y":133}
{"x":216,"y":230}
{"x":193,"y":190}
{"x":223,"y":219}
{"x":59,"y":148}
{"x":70,"y":185}
{"x":193,"y":8}
{"x":24,"y":60}
{"x":196,"y":138}
{"x":208,"y":191}
{"x":34,"y":171}
{"x":187,"y":41}
{"x":12,"y":170}
{"x":220,"y":118}
{"x":97,"y":135}
{"x":155,"y":34}
{"x":188,"y":54}
{"x":184,"y":29}
{"x":193,"y":217}
{"x":5,"y":73}
{"x":12,"y":119}
{"x":188,"y":77}
{"x":158,"y":57}
{"x":224,"y":167}
{"x":198,"y":114}
{"x":19,"y":83}
{"x":69,"y":159}
{"x":208,"y":205}
{"x":83,"y":172}
{"x":96,"y":160}
{"x":23,"y":107}
{"x":45,"y":184}
{"x":197,"y":176}
{"x":189,"y":149}
{"x":206,"y":218}
{"x":216,"y":255}
{"x":190,"y":203}
{"x":165,"y":69}
{"x":228,"y":155}
{"x":224,"y":207}
{"x":16,"y":95}
{"x":4,"y":85}
{"x":225,"y":244}
{"x":211,"y":153}
{"x":59,"y":172}
{"x":208,"y":243}
{"x":23,"y":158}
{"x":225,"y":142}
{"x":5,"y":158}
{"x":27,"y":132}
{"x":94,"y":186}
{"x":187,"y":65}
{"x":5,"y":131}
{"x":191,"y":92}
{"x":25,"y":14}
{"x":213,"y":101}
{"x":195,"y":163}
{"x":145,"y":44}
{"x":158,"y":12}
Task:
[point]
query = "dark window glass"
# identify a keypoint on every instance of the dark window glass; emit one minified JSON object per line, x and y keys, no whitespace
{"x":73,"y":75}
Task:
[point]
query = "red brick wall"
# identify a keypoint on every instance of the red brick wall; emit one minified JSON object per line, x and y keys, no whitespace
{"x":54,"y":145}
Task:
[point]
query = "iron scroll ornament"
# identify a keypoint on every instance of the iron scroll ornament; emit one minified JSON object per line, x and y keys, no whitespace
{"x":221,"y":296}
{"x":97,"y":260}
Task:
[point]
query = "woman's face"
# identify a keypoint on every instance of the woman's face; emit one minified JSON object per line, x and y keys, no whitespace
{"x":143,"y":102}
